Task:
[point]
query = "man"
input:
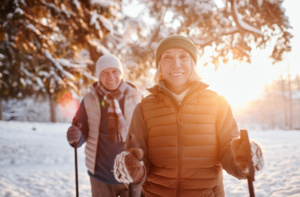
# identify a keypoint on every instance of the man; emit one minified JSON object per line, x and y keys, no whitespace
{"x":102,"y":121}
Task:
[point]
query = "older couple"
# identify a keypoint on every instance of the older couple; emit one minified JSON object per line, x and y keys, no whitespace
{"x":187,"y":133}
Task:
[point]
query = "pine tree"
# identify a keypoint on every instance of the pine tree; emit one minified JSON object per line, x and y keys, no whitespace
{"x":49,"y":47}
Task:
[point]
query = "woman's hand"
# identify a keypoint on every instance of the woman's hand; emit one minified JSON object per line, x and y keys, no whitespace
{"x":238,"y":148}
{"x":128,"y":166}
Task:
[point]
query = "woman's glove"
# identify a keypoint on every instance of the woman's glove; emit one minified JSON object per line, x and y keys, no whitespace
{"x":74,"y":134}
{"x":128,"y":166}
{"x":238,"y":148}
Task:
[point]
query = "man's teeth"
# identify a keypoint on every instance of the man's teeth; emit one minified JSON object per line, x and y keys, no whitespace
{"x":176,"y":74}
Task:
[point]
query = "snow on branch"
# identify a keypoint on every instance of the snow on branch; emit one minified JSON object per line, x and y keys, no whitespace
{"x":67,"y":63}
{"x":76,"y":3}
{"x":105,"y":22}
{"x":102,"y":3}
{"x":40,"y":82}
{"x":222,"y":32}
{"x":58,"y":66}
{"x":32,"y":28}
{"x":87,"y":75}
{"x":240,"y":23}
{"x":19,"y":11}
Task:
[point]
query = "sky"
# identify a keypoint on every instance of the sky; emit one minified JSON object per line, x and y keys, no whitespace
{"x":243,"y":83}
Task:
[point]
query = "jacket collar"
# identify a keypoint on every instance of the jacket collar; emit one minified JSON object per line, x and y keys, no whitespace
{"x":199,"y":85}
{"x":161,"y":88}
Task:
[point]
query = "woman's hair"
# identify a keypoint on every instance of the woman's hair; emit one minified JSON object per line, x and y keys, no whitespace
{"x":194,"y":74}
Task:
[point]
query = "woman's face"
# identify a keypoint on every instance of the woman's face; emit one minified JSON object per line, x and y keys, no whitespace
{"x":176,"y":68}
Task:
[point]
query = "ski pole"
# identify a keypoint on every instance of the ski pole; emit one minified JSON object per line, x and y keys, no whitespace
{"x":250,"y":176}
{"x":76,"y":171}
{"x":132,"y":143}
{"x":75,"y":123}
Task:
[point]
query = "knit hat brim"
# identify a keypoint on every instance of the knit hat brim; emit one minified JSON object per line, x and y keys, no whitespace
{"x":107,"y":61}
{"x":176,"y":41}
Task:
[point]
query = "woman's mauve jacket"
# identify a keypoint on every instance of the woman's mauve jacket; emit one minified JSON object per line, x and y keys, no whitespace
{"x":186,"y":146}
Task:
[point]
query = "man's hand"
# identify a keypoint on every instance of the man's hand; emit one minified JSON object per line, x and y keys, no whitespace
{"x":74,"y":134}
{"x":128,"y":166}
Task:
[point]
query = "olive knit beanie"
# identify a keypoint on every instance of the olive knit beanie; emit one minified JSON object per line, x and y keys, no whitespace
{"x":176,"y":41}
{"x":108,"y":61}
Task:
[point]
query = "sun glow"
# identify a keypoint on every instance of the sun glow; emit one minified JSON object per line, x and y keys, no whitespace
{"x":68,"y":106}
{"x":239,"y":83}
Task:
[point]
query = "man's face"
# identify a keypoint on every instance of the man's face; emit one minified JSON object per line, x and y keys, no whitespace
{"x":111,"y":78}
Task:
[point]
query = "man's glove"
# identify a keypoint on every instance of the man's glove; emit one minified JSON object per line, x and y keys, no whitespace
{"x":238,"y":149}
{"x":128,"y":166}
{"x":74,"y":134}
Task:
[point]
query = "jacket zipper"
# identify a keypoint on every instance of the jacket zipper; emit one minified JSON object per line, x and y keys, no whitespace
{"x":179,"y":153}
{"x":178,"y":146}
{"x":179,"y":140}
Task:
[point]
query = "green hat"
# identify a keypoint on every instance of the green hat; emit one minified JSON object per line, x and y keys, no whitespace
{"x":176,"y":41}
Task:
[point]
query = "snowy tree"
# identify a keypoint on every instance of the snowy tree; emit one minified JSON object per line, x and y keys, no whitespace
{"x":277,"y":107}
{"x":50,"y":46}
{"x":231,"y":28}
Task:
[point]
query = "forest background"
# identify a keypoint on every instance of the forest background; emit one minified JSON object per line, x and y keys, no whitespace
{"x":247,"y":52}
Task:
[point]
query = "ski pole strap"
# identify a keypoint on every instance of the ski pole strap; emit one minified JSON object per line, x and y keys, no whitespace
{"x":250,"y":176}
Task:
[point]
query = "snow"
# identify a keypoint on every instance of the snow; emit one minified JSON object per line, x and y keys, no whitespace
{"x":105,"y":22}
{"x":36,"y":160}
{"x":67,"y":63}
{"x":86,"y":74}
{"x":76,"y":2}
{"x":259,"y":2}
{"x":19,"y":11}
{"x":273,"y":1}
{"x":204,"y":7}
{"x":40,"y":82}
{"x":243,"y":24}
{"x":9,"y":16}
{"x":102,"y":3}
{"x":94,"y":20}
{"x":58,"y":66}
{"x":30,"y":26}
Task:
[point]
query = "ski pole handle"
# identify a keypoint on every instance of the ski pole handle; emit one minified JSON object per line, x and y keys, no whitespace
{"x":132,"y":142}
{"x":250,"y":176}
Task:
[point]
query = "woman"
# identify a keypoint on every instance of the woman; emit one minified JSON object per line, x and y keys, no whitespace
{"x":187,"y":133}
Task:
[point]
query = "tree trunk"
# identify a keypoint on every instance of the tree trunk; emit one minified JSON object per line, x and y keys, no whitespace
{"x":290,"y":98}
{"x":284,"y":101}
{"x":52,"y":108}
{"x":1,"y":118}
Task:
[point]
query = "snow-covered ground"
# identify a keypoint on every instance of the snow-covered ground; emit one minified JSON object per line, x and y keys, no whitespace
{"x":36,"y":160}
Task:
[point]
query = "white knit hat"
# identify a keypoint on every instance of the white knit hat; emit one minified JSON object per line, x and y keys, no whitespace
{"x":108,"y":61}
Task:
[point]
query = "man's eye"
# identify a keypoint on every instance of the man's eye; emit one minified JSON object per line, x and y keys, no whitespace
{"x":167,"y":57}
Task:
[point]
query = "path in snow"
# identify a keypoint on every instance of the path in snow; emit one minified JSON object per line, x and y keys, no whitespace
{"x":36,"y":160}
